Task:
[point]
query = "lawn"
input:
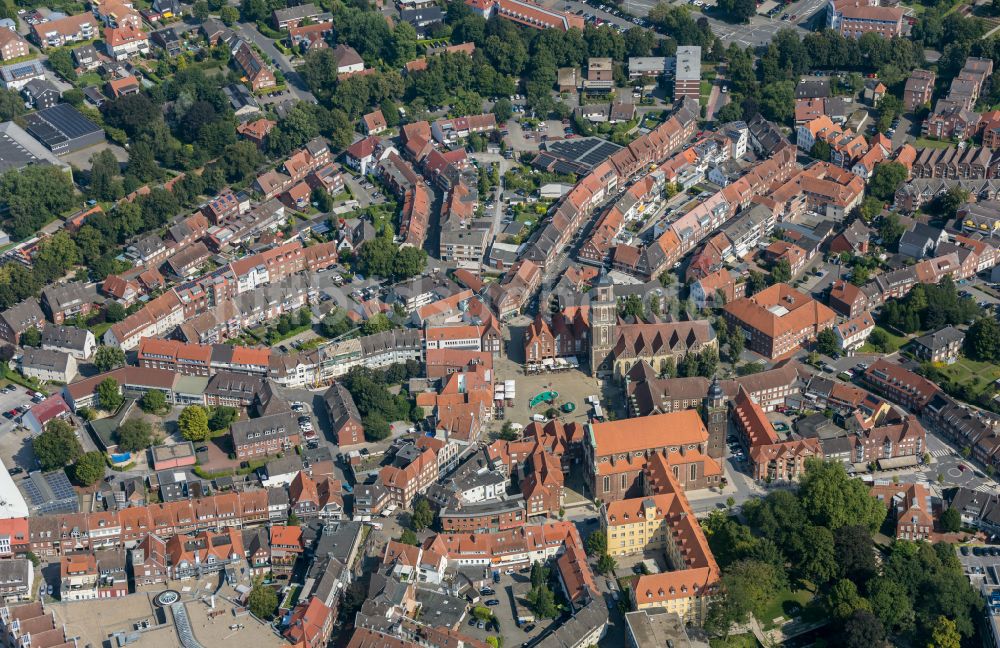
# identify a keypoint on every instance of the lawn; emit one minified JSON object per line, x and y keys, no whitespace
{"x":734,"y":641}
{"x":99,"y":329}
{"x":978,"y":376}
{"x":895,"y":342}
{"x":786,"y":604}
{"x":89,"y":79}
{"x":706,"y":91}
{"x":923,"y":142}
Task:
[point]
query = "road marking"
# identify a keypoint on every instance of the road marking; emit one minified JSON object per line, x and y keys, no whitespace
{"x":944,"y":452}
{"x":984,"y":488}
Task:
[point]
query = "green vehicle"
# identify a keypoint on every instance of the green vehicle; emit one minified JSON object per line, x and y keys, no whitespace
{"x":568,"y":407}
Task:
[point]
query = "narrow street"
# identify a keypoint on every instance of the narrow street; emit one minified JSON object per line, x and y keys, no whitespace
{"x":296,"y":84}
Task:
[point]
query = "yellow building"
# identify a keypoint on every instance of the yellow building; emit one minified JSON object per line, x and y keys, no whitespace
{"x":664,"y":522}
{"x":636,"y":525}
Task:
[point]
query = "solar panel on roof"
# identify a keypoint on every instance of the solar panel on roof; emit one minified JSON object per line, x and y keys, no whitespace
{"x":23,"y":70}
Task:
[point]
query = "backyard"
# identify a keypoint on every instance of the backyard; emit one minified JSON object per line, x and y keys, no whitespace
{"x":978,"y":377}
{"x":893,"y":342}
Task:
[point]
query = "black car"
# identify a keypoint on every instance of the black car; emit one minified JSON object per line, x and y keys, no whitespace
{"x":529,"y":627}
{"x":487,"y":591}
{"x":965,"y":551}
{"x":16,"y":470}
{"x":977,"y":551}
{"x":492,"y":602}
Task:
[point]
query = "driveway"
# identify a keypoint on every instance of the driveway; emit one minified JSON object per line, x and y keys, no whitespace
{"x":295,"y":82}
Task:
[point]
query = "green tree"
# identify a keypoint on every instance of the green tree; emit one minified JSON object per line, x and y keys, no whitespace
{"x":863,"y":630}
{"x":115,"y":312}
{"x":503,"y":109}
{"x":377,"y":323}
{"x":748,"y":586}
{"x":104,"y":181}
{"x":409,"y":262}
{"x":31,"y":337}
{"x":855,"y":551}
{"x":606,"y":564}
{"x":193,"y":423}
{"x":818,"y":560}
{"x":108,"y":358}
{"x":826,"y":342}
{"x":61,"y":61}
{"x":951,"y":520}
{"x":57,"y":446}
{"x":982,"y":342}
{"x":229,"y":15}
{"x":755,"y":283}
{"x":200,"y":10}
{"x":820,"y":150}
{"x":832,"y":499}
{"x":334,"y":324}
{"x":543,"y":601}
{"x":409,"y":537}
{"x":11,"y":105}
{"x":376,"y":427}
{"x":153,"y":401}
{"x":422,"y":516}
{"x":871,"y":208}
{"x":891,"y":604}
{"x":89,"y":468}
{"x":221,"y":417}
{"x":843,"y":600}
{"x":293,"y":519}
{"x":886,"y":179}
{"x":109,"y":395}
{"x":263,"y":601}
{"x":135,"y":435}
{"x":34,"y":195}
{"x":945,"y":634}
{"x":777,"y":101}
{"x":781,"y":271}
{"x":507,"y":432}
{"x":597,"y":543}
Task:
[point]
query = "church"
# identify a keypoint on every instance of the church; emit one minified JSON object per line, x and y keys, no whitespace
{"x":614,"y":346}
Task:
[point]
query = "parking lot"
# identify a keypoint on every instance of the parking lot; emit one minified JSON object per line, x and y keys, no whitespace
{"x":511,"y":586}
{"x":983,"y":567}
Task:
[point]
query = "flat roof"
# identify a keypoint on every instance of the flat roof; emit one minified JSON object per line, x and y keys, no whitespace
{"x":688,"y":63}
{"x":59,"y":124}
{"x":12,"y":503}
{"x":18,"y":149}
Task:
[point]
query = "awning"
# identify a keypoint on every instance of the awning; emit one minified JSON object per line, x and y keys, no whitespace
{"x":898,"y":462}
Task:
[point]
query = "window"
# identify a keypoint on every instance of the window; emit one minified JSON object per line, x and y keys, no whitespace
{"x":607,"y":484}
{"x":694,"y":471}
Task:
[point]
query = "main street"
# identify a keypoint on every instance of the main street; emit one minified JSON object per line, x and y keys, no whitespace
{"x":757,"y":33}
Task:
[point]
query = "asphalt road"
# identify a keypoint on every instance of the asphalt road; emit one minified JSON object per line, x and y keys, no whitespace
{"x":295,"y":82}
{"x":758,"y":32}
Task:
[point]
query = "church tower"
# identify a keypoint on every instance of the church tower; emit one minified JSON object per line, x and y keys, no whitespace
{"x":715,"y":412}
{"x":603,"y":325}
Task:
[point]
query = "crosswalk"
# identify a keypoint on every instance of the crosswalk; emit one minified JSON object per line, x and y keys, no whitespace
{"x":985,"y":488}
{"x":942,"y":452}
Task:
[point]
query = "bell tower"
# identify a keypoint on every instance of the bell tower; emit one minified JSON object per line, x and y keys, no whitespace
{"x":715,"y":412}
{"x":603,"y":324}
